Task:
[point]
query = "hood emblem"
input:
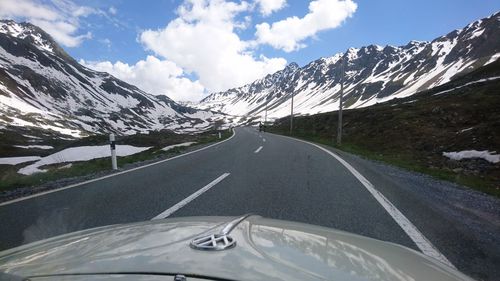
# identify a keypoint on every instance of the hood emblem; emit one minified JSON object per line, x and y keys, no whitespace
{"x":218,"y":241}
{"x":213,"y":242}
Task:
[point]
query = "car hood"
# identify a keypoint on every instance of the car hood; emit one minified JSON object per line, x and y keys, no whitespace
{"x":266,"y":249}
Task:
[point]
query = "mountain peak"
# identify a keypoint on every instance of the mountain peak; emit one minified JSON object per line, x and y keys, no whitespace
{"x":333,"y":59}
{"x":351,"y":53}
{"x":30,"y":32}
{"x":292,"y":66}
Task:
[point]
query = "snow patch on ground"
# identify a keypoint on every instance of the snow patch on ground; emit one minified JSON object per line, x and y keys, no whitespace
{"x":31,"y":137}
{"x":477,"y":33}
{"x":467,"y":84}
{"x":465,"y":130}
{"x":35,"y":146}
{"x":66,"y":166}
{"x":493,"y":58}
{"x":167,"y":148}
{"x":80,"y":153}
{"x":467,"y":154}
{"x":18,"y":160}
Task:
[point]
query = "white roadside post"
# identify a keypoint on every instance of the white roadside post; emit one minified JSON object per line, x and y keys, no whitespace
{"x":113,"y":151}
{"x":220,"y":136}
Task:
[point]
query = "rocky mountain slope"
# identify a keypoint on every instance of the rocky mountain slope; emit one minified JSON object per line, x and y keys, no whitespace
{"x":424,"y":132}
{"x":42,"y":87}
{"x":373,"y":74}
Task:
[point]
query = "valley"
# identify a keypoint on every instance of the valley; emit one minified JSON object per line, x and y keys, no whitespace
{"x":223,"y":117}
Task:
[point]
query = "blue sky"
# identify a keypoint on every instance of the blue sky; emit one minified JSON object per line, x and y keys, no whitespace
{"x":187,"y":49}
{"x":382,"y":22}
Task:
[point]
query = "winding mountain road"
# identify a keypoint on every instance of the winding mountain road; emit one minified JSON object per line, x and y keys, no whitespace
{"x":269,"y":175}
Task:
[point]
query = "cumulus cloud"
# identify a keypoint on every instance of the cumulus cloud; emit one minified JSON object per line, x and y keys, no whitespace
{"x":26,"y":8}
{"x":62,"y":32}
{"x":289,"y":34}
{"x":267,"y":7}
{"x":59,"y":18}
{"x":154,"y":76}
{"x":203,"y":40}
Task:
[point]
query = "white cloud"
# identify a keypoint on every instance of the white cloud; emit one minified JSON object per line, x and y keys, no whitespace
{"x":112,"y":10}
{"x":59,"y":18}
{"x":267,"y":7}
{"x":288,"y":34}
{"x":154,"y":76}
{"x":202,"y":40}
{"x":26,"y":8}
{"x":106,"y":42}
{"x":62,"y":32}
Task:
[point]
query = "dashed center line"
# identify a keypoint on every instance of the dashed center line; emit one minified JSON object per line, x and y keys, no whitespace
{"x":258,"y":149}
{"x":264,"y":140}
{"x":190,"y":198}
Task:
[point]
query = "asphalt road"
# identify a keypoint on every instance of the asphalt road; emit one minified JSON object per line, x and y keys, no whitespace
{"x":268,"y":175}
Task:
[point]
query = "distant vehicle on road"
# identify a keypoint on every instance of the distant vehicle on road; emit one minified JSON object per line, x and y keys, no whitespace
{"x":218,"y":248}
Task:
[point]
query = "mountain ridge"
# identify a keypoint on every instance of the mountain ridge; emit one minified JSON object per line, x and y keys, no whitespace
{"x":373,"y":74}
{"x":42,"y":86}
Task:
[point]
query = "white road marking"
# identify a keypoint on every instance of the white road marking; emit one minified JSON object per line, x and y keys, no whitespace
{"x":264,"y":140}
{"x":190,"y":198}
{"x":258,"y":149}
{"x":112,"y":175}
{"x":411,"y":230}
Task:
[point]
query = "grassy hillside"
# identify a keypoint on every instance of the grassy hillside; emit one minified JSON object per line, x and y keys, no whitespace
{"x":414,"y":132}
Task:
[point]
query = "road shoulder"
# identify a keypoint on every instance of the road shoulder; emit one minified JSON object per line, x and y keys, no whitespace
{"x":463,"y":223}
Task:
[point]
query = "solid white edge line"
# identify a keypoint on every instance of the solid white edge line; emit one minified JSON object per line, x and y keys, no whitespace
{"x":112,"y":175}
{"x":409,"y":228}
{"x":258,"y":149}
{"x":190,"y":198}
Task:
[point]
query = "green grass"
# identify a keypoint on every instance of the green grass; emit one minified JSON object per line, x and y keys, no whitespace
{"x":10,"y":179}
{"x":407,"y":162}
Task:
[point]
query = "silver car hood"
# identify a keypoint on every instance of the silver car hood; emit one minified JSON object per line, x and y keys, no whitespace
{"x":266,"y":249}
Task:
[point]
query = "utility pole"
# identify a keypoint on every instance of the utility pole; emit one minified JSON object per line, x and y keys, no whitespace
{"x":291,"y":117}
{"x":265,"y":114}
{"x":339,"y":126}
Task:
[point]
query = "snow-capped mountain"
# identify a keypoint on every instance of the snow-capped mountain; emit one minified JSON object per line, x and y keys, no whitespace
{"x":43,"y":87}
{"x":373,"y":74}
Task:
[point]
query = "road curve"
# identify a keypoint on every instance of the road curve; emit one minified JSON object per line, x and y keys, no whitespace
{"x":253,"y":172}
